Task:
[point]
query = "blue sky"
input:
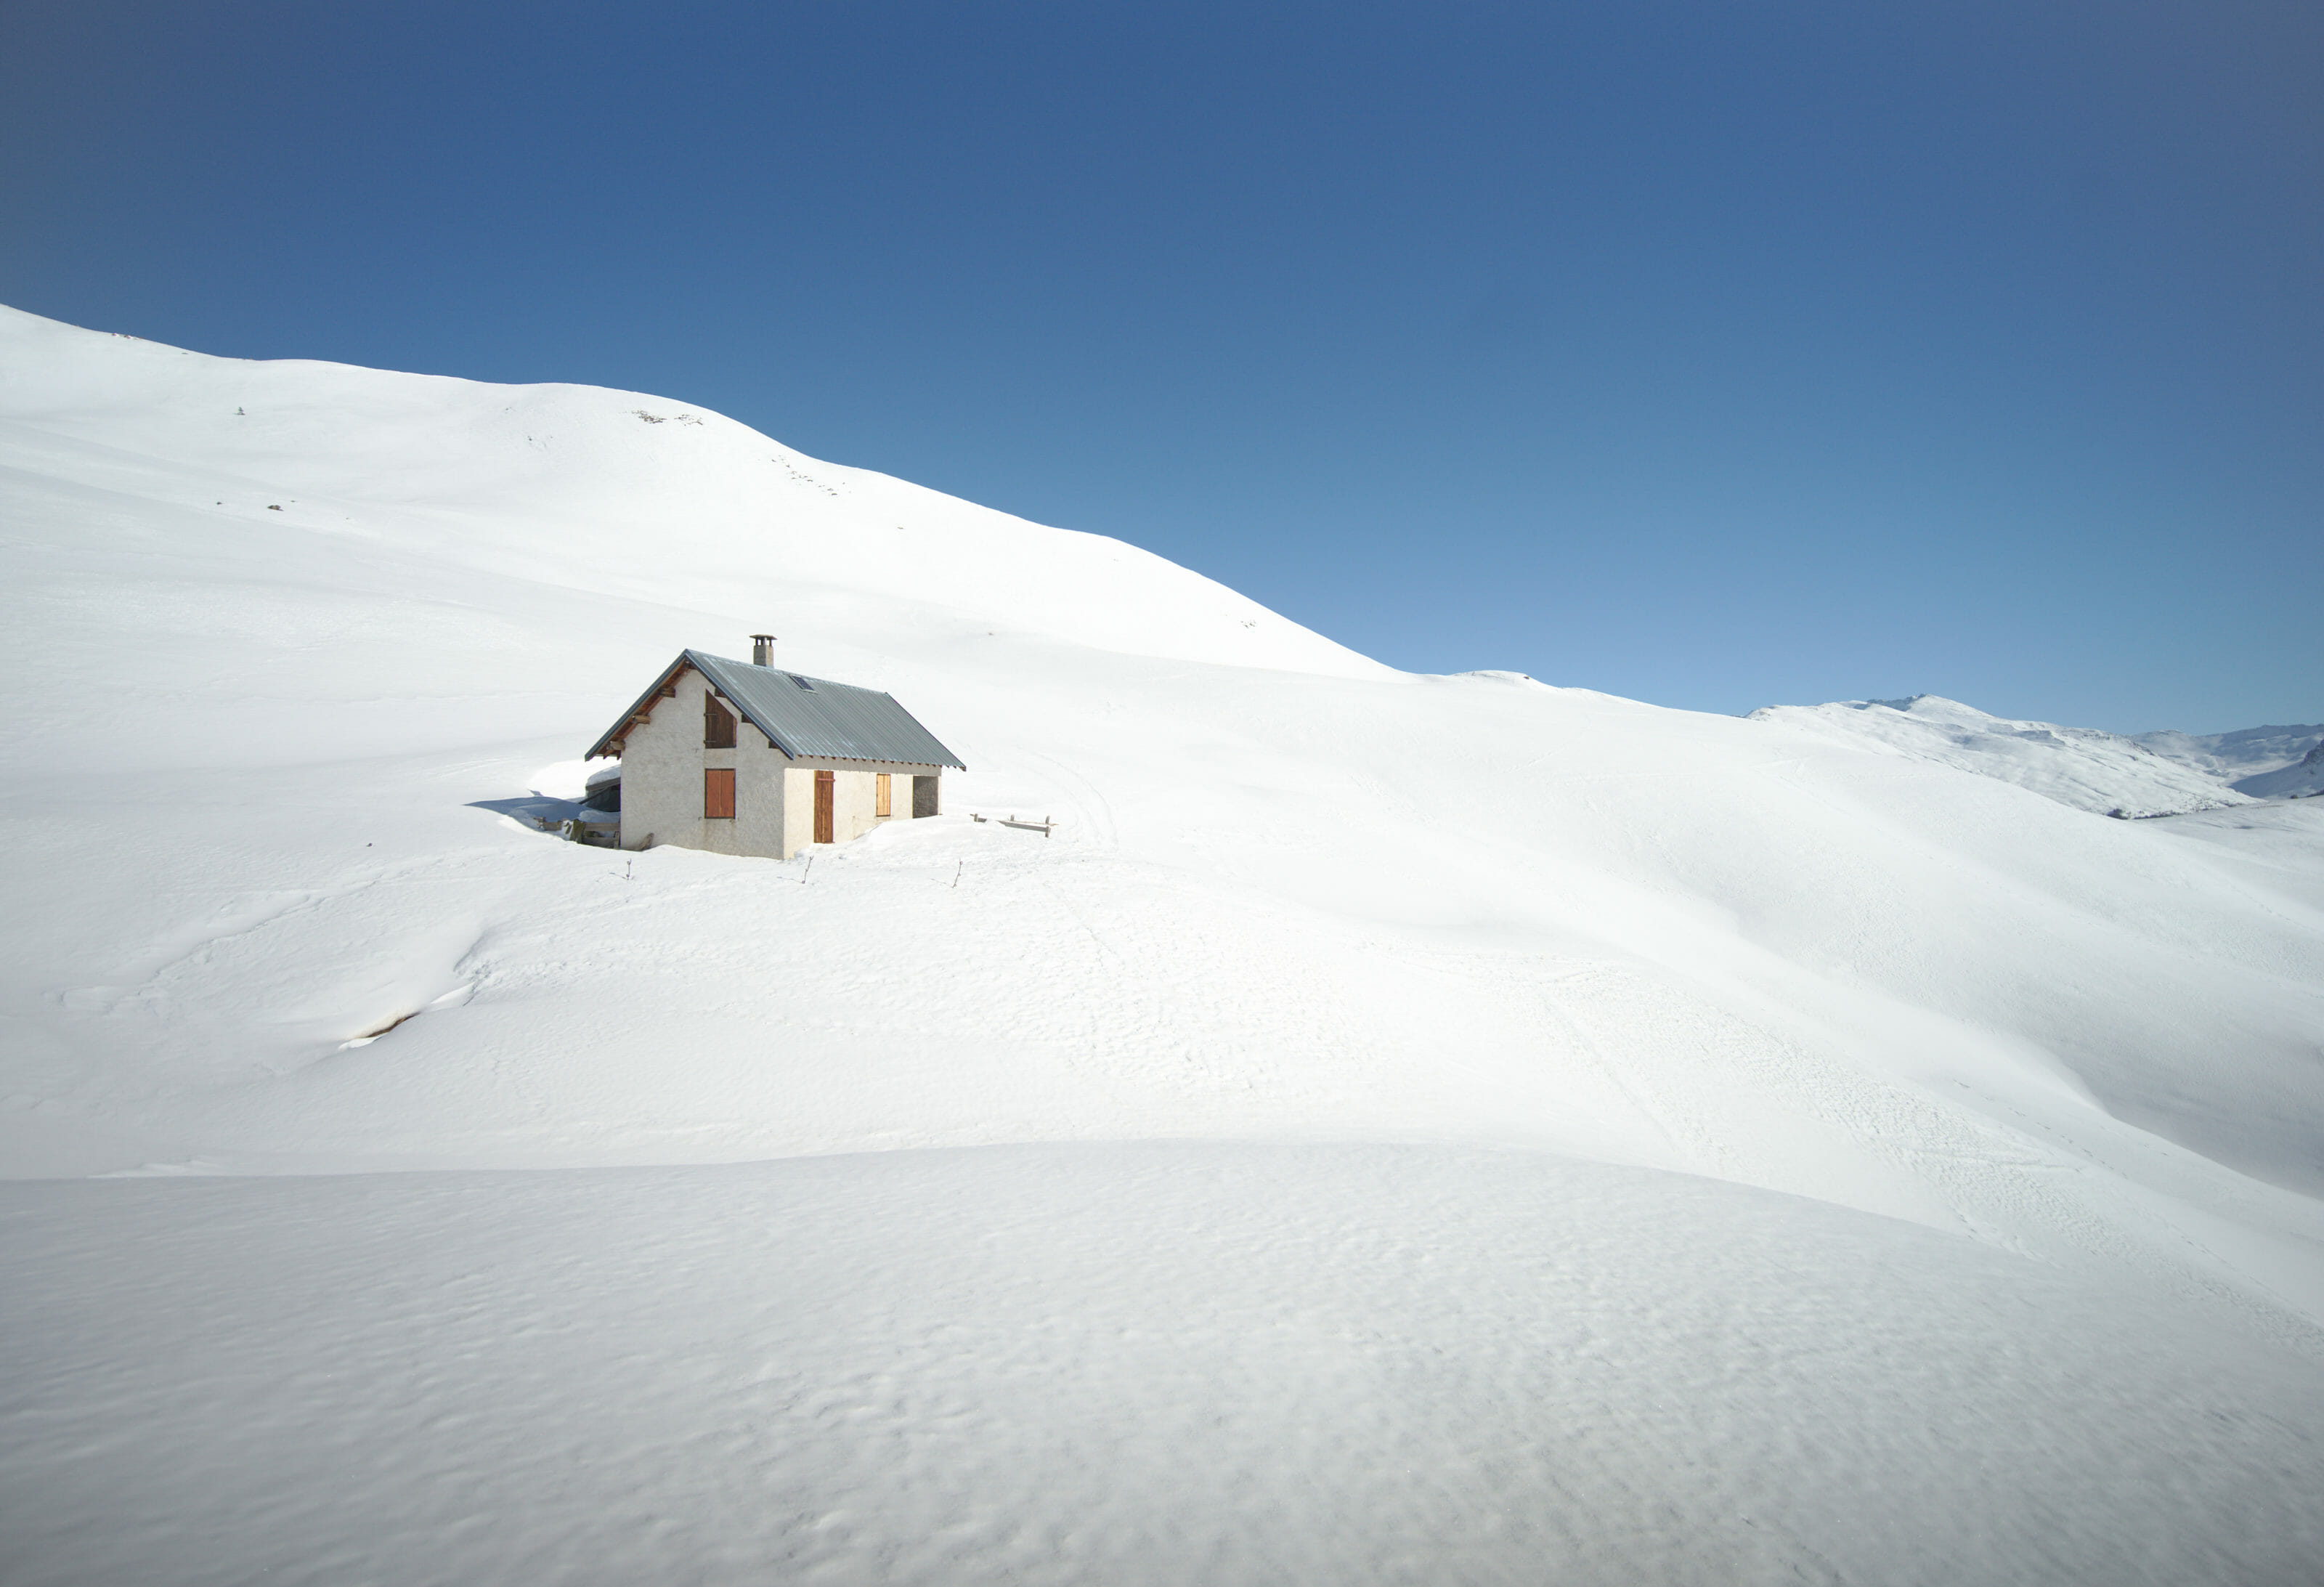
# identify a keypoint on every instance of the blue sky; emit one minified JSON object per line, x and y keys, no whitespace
{"x":1715,"y":354}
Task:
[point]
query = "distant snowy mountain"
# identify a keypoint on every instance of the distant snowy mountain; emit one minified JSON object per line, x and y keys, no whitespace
{"x":2303,"y":780}
{"x":2233,"y":757}
{"x":2081,"y":767}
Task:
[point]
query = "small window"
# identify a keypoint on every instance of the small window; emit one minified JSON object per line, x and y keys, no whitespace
{"x":718,"y":724}
{"x":718,"y":794}
{"x":884,"y":799}
{"x":802,"y":683}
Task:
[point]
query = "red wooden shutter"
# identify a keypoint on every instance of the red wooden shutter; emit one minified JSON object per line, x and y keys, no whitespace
{"x":718,"y":794}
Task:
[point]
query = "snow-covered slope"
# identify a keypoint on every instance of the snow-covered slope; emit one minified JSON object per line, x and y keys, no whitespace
{"x":2303,"y":780}
{"x":290,"y":642}
{"x":2231,"y":756}
{"x":2079,"y":766}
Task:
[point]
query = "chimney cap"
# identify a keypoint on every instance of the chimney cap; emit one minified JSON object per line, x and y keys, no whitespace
{"x":762,"y":650}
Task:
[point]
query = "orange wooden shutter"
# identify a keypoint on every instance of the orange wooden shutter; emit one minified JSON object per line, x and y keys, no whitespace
{"x":718,"y":794}
{"x":882,"y":799}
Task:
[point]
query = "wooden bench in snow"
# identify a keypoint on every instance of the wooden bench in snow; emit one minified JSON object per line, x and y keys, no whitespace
{"x":1042,"y":826}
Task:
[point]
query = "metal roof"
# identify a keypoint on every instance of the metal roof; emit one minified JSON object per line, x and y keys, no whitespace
{"x":806,"y":717}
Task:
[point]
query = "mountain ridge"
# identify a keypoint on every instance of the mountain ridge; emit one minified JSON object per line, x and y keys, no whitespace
{"x":2083,"y":768}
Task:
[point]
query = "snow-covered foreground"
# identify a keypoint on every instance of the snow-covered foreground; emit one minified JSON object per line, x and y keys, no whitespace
{"x":1544,"y":990}
{"x":1112,"y":1363}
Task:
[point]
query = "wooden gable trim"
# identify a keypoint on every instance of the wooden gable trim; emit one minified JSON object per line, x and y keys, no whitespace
{"x":642,"y":711}
{"x":667,"y":689}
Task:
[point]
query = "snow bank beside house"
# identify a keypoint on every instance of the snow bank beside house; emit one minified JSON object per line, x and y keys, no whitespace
{"x":2078,"y":767}
{"x":561,"y":779}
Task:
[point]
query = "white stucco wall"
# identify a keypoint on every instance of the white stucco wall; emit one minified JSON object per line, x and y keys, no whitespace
{"x":799,"y":808}
{"x":661,"y":771}
{"x":854,"y":798}
{"x":663,"y":758}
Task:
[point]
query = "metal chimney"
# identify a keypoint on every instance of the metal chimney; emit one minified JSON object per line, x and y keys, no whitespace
{"x":762,"y":650}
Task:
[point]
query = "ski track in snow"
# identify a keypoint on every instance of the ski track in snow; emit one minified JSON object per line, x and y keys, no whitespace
{"x":1393,"y":1129}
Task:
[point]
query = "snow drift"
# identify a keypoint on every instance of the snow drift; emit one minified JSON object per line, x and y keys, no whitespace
{"x":291,"y":641}
{"x":1133,"y":1364}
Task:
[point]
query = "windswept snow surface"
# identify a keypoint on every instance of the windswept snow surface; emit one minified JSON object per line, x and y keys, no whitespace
{"x":1397,"y":1128}
{"x":1120,"y":1363}
{"x":2079,"y":766}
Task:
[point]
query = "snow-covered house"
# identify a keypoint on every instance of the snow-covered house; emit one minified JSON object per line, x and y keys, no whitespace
{"x":746,"y":759}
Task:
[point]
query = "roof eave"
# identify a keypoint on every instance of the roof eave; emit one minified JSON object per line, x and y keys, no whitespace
{"x":665,"y":684}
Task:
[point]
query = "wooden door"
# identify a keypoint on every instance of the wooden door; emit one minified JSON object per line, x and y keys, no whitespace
{"x":883,"y":796}
{"x":822,"y":796}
